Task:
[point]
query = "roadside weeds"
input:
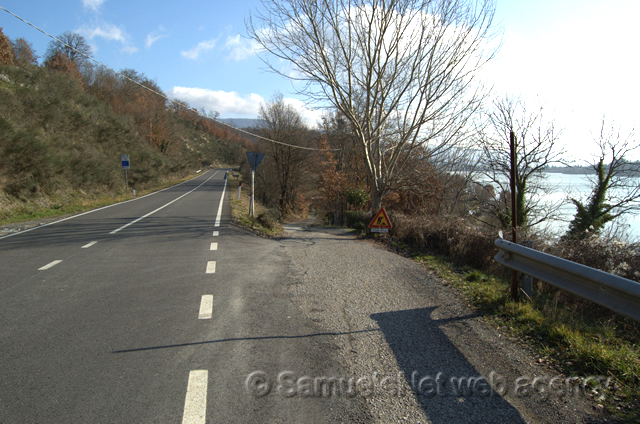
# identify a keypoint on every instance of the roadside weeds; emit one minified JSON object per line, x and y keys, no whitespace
{"x":574,"y":342}
{"x":264,"y":222}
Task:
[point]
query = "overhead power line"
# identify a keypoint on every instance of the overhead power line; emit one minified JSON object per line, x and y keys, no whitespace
{"x":164,"y":96}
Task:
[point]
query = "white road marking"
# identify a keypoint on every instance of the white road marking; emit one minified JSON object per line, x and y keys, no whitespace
{"x":49,"y":265}
{"x":224,"y":187}
{"x":206,"y":307}
{"x":195,"y":403}
{"x":216,"y":233}
{"x":214,"y":246}
{"x":161,"y":207}
{"x":94,"y":210}
{"x":211,"y":267}
{"x":89,"y":244}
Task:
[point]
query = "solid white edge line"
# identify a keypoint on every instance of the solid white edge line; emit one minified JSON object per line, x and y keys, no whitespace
{"x":216,"y":233}
{"x":96,"y":210}
{"x":211,"y":267}
{"x":195,"y":402}
{"x":49,"y":265}
{"x":161,"y":207}
{"x":224,"y":187}
{"x":214,"y":246}
{"x":206,"y":307}
{"x":86,"y":246}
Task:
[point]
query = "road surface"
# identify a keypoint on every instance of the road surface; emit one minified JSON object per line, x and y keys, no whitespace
{"x":160,"y":310}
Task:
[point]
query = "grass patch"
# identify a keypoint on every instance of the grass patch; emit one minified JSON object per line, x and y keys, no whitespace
{"x":264,"y":221}
{"x":577,"y":344}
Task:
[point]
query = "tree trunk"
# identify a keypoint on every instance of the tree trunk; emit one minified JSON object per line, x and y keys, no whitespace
{"x":376,"y":202}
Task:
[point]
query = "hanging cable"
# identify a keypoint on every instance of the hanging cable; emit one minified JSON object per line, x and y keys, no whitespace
{"x":164,"y":96}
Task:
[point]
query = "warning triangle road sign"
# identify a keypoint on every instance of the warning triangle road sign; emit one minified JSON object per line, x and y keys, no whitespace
{"x":381,"y":220}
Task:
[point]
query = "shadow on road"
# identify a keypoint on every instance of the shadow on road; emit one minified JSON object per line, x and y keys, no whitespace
{"x":448,"y":388}
{"x":240,"y":339}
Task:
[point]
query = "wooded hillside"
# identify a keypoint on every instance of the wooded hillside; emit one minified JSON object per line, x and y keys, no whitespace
{"x":62,"y":132}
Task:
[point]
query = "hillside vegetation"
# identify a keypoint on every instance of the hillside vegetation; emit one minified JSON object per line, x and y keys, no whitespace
{"x":62,"y":134}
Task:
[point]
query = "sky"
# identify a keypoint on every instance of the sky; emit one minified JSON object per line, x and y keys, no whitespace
{"x":577,"y":59}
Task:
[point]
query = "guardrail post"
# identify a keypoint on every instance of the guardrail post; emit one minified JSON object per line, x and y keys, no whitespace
{"x":527,"y":280}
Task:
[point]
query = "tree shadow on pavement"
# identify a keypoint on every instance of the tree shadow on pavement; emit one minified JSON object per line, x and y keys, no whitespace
{"x":448,"y":388}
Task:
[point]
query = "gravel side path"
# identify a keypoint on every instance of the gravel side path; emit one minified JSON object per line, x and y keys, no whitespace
{"x":413,"y":349}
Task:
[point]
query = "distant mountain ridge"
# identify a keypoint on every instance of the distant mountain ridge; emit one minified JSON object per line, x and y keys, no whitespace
{"x":241,"y":122}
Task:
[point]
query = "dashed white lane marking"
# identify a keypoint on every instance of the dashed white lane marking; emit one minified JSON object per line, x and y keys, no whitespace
{"x":162,"y":207}
{"x":214,"y":246}
{"x":49,"y":265}
{"x":216,"y":233}
{"x":224,"y":187}
{"x":206,"y":307}
{"x":195,"y":403}
{"x":89,"y":244}
{"x":211,"y":267}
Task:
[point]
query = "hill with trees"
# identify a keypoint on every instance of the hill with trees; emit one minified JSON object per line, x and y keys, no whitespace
{"x":65,"y":123}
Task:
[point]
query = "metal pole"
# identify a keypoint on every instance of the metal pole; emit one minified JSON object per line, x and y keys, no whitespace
{"x":514,"y":212}
{"x":252,"y":198}
{"x":126,"y":182}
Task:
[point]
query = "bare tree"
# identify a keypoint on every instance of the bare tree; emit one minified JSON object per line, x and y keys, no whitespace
{"x":74,"y":46}
{"x":615,"y":185}
{"x":537,"y":148}
{"x":458,"y":171}
{"x":279,"y":121}
{"x":402,"y":72}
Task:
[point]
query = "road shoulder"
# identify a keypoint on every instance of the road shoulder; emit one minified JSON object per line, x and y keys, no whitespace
{"x":394,"y":318}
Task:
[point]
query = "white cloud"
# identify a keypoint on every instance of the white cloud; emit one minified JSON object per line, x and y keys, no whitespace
{"x":225,"y":102}
{"x":108,"y":32}
{"x":309,"y":116}
{"x":129,"y":49}
{"x":152,"y":38}
{"x":202,"y":46}
{"x":92,"y":4}
{"x":240,"y":48}
{"x":232,"y":104}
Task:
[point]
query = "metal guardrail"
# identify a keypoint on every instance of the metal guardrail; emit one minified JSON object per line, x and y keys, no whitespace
{"x":616,"y":293}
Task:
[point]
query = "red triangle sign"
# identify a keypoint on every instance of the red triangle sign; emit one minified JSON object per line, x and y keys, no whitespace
{"x":381,"y":220}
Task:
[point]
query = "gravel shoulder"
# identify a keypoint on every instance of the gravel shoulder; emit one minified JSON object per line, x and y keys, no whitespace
{"x":414,"y":349}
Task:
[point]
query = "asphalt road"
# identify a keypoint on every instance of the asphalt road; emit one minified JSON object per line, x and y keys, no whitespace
{"x":160,"y":310}
{"x":157,"y":310}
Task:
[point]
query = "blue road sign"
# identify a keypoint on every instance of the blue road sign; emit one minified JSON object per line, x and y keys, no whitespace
{"x":255,"y":159}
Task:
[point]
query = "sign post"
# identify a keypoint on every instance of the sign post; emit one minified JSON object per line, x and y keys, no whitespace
{"x":380,"y":222}
{"x":126,"y":166}
{"x":254,"y":162}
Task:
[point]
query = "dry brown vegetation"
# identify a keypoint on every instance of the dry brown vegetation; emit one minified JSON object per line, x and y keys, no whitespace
{"x":63,"y":129}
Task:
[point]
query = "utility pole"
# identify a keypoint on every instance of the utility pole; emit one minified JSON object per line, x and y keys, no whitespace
{"x":514,"y":212}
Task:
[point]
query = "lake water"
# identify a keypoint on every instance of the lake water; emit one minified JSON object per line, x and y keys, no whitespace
{"x":579,"y":187}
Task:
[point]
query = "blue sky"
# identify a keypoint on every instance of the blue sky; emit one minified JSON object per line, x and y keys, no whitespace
{"x":576,"y":58}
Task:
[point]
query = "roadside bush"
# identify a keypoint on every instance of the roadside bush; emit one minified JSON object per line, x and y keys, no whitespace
{"x":24,"y":161}
{"x":447,"y":235}
{"x":609,"y":255}
{"x":355,"y":219}
{"x":269,"y":218}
